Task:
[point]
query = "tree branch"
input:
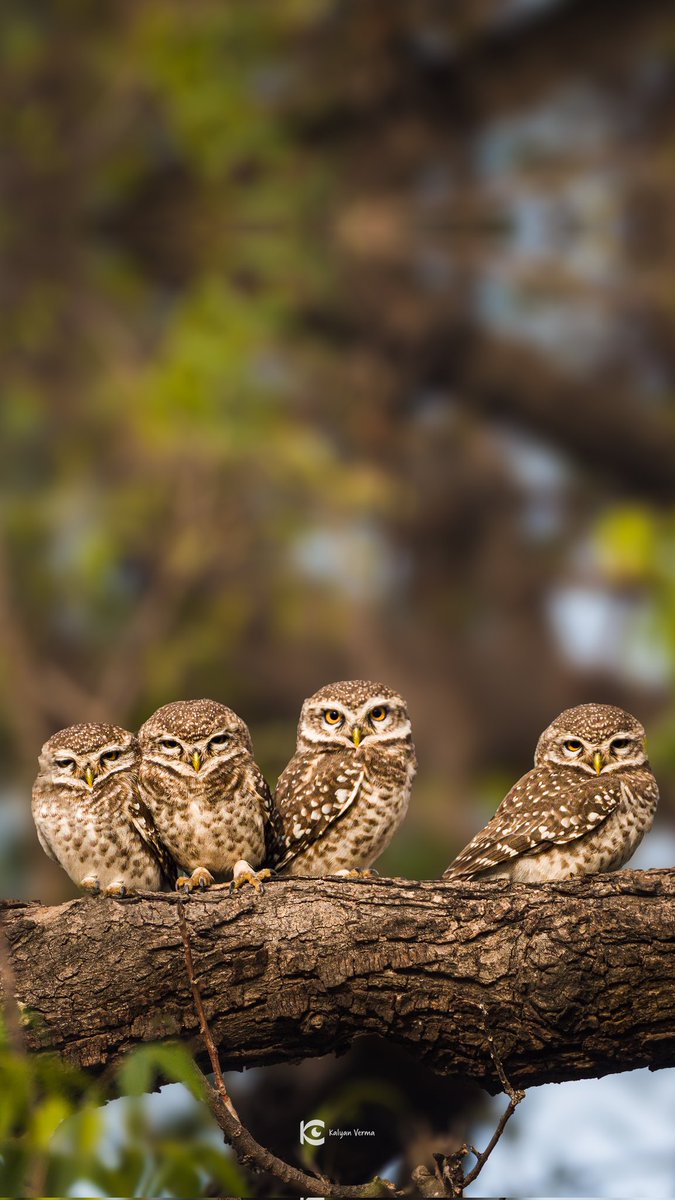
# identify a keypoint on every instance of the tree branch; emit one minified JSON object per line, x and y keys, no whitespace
{"x":552,"y":971}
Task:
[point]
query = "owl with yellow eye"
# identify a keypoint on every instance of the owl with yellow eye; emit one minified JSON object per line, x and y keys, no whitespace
{"x":346,"y":789}
{"x":583,"y":808}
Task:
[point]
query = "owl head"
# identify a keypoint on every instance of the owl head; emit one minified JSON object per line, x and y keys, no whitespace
{"x":193,"y":737}
{"x":83,"y":757}
{"x":352,"y":714}
{"x":595,"y":738}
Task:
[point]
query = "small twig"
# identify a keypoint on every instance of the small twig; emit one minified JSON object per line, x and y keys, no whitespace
{"x":449,"y":1168}
{"x":249,"y":1152}
{"x":199,"y":1008}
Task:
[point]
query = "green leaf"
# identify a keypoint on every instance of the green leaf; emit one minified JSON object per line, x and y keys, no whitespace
{"x":170,"y":1061}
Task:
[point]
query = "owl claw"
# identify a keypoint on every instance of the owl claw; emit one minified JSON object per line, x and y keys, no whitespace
{"x":91,"y":885}
{"x":118,"y":890}
{"x":243,"y":873}
{"x":359,"y":873}
{"x":200,"y":878}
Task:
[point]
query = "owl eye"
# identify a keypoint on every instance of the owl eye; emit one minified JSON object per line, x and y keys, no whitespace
{"x":169,"y":743}
{"x":110,"y":756}
{"x":378,"y":713}
{"x":333,"y":717}
{"x":65,"y":763}
{"x":573,"y":745}
{"x":620,"y":744}
{"x":220,"y":739}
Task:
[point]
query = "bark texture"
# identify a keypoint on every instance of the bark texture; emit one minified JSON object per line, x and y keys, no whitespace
{"x":572,"y":980}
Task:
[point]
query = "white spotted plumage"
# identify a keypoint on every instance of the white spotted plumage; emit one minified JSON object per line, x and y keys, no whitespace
{"x":90,"y":816}
{"x":208,"y":798}
{"x":584,"y":807}
{"x":346,"y":790}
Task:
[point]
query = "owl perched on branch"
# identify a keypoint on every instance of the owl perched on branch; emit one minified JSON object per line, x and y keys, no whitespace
{"x":345,"y":792}
{"x":584,"y":808}
{"x":89,"y":814}
{"x":209,"y":800}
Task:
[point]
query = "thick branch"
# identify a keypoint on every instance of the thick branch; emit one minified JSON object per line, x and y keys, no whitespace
{"x":571,"y":980}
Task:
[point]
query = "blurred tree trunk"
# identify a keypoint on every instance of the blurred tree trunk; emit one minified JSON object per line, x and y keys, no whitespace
{"x":552,"y":973}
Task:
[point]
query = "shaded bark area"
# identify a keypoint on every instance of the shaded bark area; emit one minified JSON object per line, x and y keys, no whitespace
{"x":571,"y":980}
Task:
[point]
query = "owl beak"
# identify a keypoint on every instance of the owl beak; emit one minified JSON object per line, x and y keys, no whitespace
{"x":89,"y":776}
{"x":357,"y":736}
{"x":598,"y":761}
{"x":196,"y":760}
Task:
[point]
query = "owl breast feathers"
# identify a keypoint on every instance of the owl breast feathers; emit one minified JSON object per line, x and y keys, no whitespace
{"x":584,"y":807}
{"x":346,"y":790}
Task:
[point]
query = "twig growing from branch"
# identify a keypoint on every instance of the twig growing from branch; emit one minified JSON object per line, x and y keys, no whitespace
{"x":449,"y":1169}
{"x":249,"y":1152}
{"x":450,"y":1176}
{"x":203,"y":1023}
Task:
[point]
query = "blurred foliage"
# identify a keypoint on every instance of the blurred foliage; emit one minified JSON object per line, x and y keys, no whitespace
{"x":636,"y":553}
{"x":158,"y":471}
{"x":57,"y":1139}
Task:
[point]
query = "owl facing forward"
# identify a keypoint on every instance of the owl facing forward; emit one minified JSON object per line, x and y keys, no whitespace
{"x":585,"y":806}
{"x":346,"y":790}
{"x":89,"y":814}
{"x":209,"y":800}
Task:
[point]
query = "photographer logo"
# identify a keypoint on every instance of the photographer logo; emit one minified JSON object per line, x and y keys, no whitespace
{"x":312,"y":1132}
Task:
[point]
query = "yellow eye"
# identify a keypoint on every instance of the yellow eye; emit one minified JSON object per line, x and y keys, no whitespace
{"x":378,"y":713}
{"x":573,"y":745}
{"x":333,"y":717}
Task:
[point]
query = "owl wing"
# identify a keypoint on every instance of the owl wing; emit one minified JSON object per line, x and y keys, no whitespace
{"x":273,"y":824}
{"x":310,"y":797}
{"x":540,"y":811}
{"x":45,"y":844}
{"x":142,"y":820}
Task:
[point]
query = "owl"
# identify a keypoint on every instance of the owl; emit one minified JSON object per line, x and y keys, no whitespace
{"x":89,"y":814}
{"x":584,"y":808}
{"x":345,"y":792}
{"x":208,"y":799}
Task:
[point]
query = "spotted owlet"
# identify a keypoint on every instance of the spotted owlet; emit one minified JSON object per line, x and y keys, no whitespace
{"x":89,"y":814}
{"x":346,"y":790}
{"x":209,"y":800}
{"x":584,"y":808}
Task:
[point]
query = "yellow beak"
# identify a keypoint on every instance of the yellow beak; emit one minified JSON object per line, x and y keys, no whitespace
{"x":598,"y":761}
{"x":196,"y":760}
{"x":357,"y":736}
{"x":89,"y":776}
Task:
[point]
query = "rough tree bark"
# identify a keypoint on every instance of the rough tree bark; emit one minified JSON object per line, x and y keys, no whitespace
{"x":572,"y":980}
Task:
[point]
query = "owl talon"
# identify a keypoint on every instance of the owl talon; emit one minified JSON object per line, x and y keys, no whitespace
{"x":200,"y":878}
{"x":243,"y":873}
{"x":91,"y":885}
{"x":118,"y":890}
{"x":358,"y":873}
